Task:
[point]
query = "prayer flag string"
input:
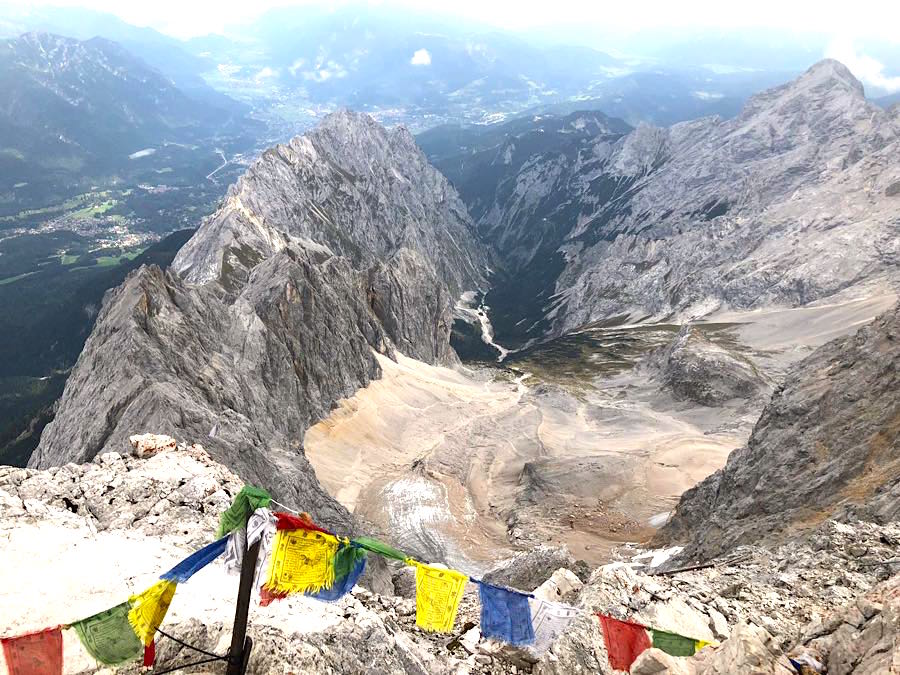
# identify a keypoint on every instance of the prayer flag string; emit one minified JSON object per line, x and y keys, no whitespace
{"x":245,"y":503}
{"x":148,"y":609}
{"x":505,"y":614}
{"x":108,"y":636}
{"x":299,"y":556}
{"x":302,"y":560}
{"x":438,"y":592}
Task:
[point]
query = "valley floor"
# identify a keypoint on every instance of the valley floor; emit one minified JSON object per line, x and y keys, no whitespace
{"x":466,"y":464}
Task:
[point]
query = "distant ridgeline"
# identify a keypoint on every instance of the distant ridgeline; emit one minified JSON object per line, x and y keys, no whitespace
{"x":80,"y":113}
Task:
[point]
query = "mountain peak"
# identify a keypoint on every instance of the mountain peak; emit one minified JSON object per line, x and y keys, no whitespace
{"x":344,"y":119}
{"x":826,"y":86}
{"x":831,"y":72}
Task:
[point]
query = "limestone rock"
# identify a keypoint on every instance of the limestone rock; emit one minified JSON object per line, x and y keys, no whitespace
{"x":341,"y":244}
{"x":750,"y":649}
{"x":826,"y":443}
{"x":350,"y":188}
{"x":562,"y":585}
{"x":145,"y":445}
{"x":530,"y":569}
{"x":708,"y":214}
{"x":695,"y":369}
{"x":657,"y":662}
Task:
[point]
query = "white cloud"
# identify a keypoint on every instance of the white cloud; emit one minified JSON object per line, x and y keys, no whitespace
{"x":867,"y":69}
{"x":297,"y":65}
{"x":707,"y":95}
{"x":325,"y":71}
{"x":265,"y":74}
{"x":421,"y":58}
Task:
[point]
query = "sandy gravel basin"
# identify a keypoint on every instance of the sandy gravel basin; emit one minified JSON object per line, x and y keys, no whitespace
{"x":466,"y":464}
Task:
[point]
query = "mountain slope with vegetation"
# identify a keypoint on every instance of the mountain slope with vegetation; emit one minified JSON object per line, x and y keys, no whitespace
{"x":76,"y":112}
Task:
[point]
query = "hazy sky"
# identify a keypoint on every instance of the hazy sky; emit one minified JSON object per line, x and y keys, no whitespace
{"x":859,"y":18}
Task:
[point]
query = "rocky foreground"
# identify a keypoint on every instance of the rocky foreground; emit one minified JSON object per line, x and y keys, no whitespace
{"x":95,"y":532}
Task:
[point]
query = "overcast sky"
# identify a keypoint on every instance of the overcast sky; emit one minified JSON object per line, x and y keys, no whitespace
{"x":856,"y":19}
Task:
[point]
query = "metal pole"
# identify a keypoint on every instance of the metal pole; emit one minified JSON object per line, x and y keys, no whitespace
{"x":239,"y":654}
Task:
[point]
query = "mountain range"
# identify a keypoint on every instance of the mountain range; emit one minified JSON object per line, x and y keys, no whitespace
{"x":82,"y":111}
{"x":341,"y":244}
{"x":161,"y":52}
{"x":645,"y":268}
{"x":680,"y":222}
{"x":346,"y":242}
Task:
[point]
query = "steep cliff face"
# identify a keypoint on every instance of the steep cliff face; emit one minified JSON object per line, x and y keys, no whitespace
{"x":349,"y":187}
{"x":827,"y":443}
{"x":676,"y":223}
{"x":287,"y":292}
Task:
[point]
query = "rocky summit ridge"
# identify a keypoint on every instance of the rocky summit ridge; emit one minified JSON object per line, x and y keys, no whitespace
{"x":97,"y":532}
{"x":339,"y":245}
{"x":349,"y":187}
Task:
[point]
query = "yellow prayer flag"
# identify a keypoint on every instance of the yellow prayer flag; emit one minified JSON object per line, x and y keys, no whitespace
{"x":700,"y":644}
{"x":148,"y":609}
{"x":438,"y":592}
{"x":302,"y":562}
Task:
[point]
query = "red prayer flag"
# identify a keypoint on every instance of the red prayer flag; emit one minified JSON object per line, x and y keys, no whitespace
{"x":38,"y":653}
{"x":624,"y":641}
{"x":267,"y":597}
{"x":149,"y":655}
{"x":288,"y":521}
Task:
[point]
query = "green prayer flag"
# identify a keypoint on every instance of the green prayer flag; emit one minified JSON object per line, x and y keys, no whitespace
{"x":671,"y":643}
{"x":378,"y":547}
{"x":108,"y":636}
{"x":245,"y":503}
{"x":345,"y":560}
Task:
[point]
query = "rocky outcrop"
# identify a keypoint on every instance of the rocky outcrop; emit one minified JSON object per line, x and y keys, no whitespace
{"x":827,"y":443}
{"x":530,"y":569}
{"x":343,"y":244}
{"x":863,"y":637}
{"x":758,"y":605}
{"x":709,"y":214}
{"x":693,"y":368}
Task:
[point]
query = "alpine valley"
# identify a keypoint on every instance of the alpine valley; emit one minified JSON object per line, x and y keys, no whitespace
{"x":646,"y":370}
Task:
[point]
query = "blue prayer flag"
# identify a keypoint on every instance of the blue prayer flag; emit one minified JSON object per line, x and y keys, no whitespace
{"x":196,"y":561}
{"x":505,"y":615}
{"x":341,"y":586}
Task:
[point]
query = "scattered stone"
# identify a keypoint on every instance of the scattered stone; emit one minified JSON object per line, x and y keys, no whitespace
{"x":145,"y":445}
{"x":560,"y":587}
